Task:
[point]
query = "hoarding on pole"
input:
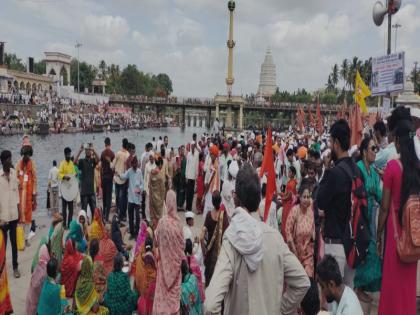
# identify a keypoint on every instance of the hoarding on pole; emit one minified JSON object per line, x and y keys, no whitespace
{"x":387,"y":74}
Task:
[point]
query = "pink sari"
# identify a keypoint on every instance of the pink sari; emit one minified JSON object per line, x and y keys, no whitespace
{"x":398,"y":292}
{"x":37,"y":281}
{"x":169,"y":239}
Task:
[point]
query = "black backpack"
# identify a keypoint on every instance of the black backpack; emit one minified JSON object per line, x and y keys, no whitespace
{"x":357,"y":235}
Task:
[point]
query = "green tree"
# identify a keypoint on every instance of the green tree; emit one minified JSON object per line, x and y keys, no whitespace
{"x":130,"y":81}
{"x":113,"y":82}
{"x":334,"y":76}
{"x":103,"y":70}
{"x":40,"y":67}
{"x":87,"y":75}
{"x":13,"y":62}
{"x":164,"y":82}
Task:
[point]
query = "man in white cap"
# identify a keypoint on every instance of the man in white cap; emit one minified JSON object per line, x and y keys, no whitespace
{"x":187,"y":229}
{"x":191,"y":174}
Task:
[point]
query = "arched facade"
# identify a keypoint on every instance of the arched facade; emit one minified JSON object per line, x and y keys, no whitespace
{"x":58,"y":66}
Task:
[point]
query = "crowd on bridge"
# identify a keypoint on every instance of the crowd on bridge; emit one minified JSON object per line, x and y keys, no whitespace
{"x":293,"y":222}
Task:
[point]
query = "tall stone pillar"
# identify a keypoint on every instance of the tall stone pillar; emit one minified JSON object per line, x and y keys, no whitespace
{"x":241,"y":117}
{"x":217,"y":111}
{"x":229,"y":117}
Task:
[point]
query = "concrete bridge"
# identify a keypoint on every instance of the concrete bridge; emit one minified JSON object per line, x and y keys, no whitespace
{"x":230,"y":111}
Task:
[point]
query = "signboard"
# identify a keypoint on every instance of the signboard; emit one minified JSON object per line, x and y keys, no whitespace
{"x":386,"y":106}
{"x":387,"y":74}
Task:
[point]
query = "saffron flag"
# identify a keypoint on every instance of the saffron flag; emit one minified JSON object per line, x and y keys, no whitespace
{"x":267,"y":167}
{"x":311,"y":117}
{"x":361,"y":91}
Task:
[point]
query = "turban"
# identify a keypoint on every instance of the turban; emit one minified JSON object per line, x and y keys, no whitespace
{"x":214,"y":150}
{"x":233,"y":169}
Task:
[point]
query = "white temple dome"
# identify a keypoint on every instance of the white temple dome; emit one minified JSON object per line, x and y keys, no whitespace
{"x":268,"y":76}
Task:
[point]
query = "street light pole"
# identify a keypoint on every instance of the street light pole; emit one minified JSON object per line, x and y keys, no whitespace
{"x":396,"y":26}
{"x":78,"y":45}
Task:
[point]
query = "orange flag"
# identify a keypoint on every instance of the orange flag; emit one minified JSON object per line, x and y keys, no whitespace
{"x":319,"y":121}
{"x":268,"y":168}
{"x":311,"y":117}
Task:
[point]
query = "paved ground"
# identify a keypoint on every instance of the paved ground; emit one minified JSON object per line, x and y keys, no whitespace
{"x":19,"y":287}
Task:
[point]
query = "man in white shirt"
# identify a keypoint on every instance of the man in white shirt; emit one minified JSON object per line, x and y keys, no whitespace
{"x":53,"y":188}
{"x":223,"y":160}
{"x":344,"y":300}
{"x":191,"y":174}
{"x":150,"y":165}
{"x":216,"y":126}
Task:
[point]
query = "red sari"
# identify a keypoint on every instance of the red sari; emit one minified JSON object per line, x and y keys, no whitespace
{"x":288,"y":201}
{"x":5,"y":303}
{"x":70,"y":268}
{"x":107,"y":251}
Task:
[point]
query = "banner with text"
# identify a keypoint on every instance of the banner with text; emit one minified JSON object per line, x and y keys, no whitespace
{"x":387,"y":74}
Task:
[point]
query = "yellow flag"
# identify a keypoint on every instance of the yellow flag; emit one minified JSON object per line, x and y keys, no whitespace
{"x":361,"y":91}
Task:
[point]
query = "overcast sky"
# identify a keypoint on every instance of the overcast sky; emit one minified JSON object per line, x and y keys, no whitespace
{"x":187,"y":38}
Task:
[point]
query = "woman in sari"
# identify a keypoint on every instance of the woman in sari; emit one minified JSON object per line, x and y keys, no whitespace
{"x":157,"y":191}
{"x":145,"y":267}
{"x":145,"y":303}
{"x":170,"y":243}
{"x":288,"y":199}
{"x":215,"y":225}
{"x":5,"y":302}
{"x":200,"y":183}
{"x":35,"y":260}
{"x":76,"y":234}
{"x":119,"y":298}
{"x":99,"y":274}
{"x":85,"y":295}
{"x":83,"y":221}
{"x":56,"y":239}
{"x":194,"y":267}
{"x":50,"y":300}
{"x":368,"y":275}
{"x":212,"y":179}
{"x":401,"y":179}
{"x":97,"y":226}
{"x":141,"y":238}
{"x":107,"y":251}
{"x":191,"y":303}
{"x":37,"y":281}
{"x":70,"y":267}
{"x":300,"y":230}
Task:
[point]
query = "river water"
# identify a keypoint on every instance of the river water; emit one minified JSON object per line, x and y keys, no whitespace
{"x":51,"y":147}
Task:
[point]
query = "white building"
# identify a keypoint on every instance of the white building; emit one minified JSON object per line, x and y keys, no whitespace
{"x":268,"y":78}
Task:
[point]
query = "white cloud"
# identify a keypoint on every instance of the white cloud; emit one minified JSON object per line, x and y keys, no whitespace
{"x":104,"y":31}
{"x":187,"y":38}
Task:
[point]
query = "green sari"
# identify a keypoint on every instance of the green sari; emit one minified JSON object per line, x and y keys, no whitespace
{"x":50,"y":302}
{"x":85,"y":294}
{"x":56,"y":239}
{"x":76,"y":234}
{"x":119,"y":298}
{"x":191,"y":303}
{"x":35,"y":260}
{"x":368,"y":276}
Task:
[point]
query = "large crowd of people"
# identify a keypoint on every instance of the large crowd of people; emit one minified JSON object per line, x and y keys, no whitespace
{"x":292,"y":223}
